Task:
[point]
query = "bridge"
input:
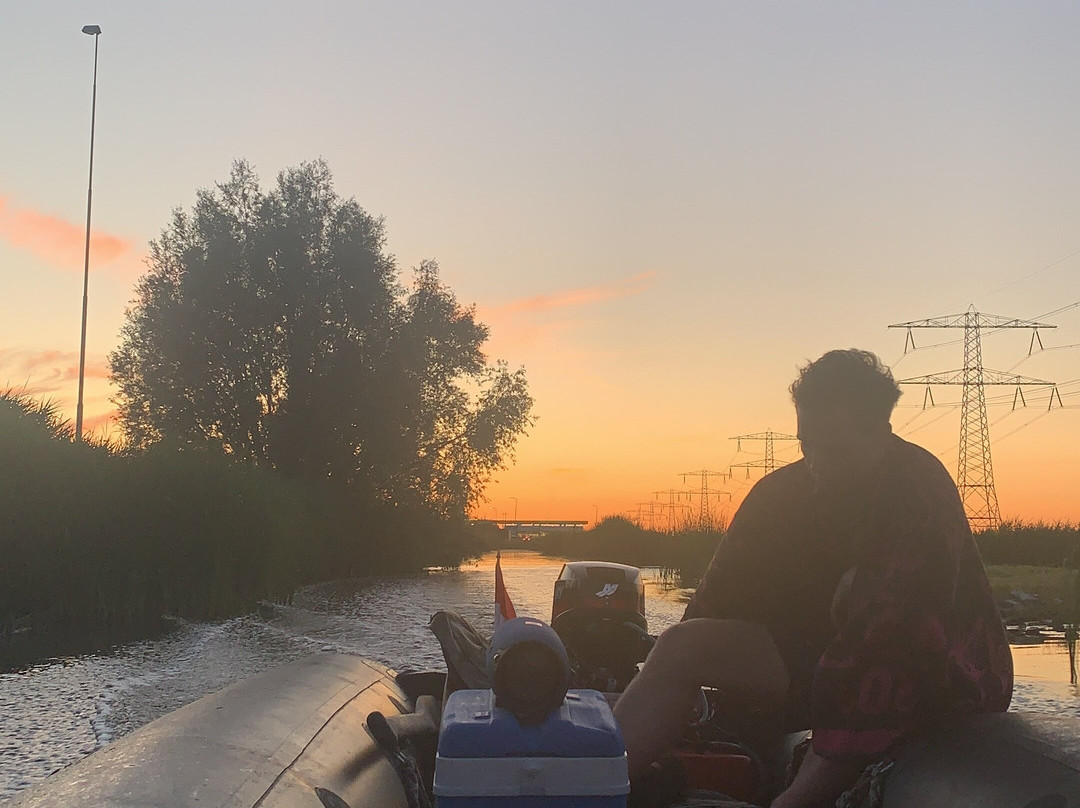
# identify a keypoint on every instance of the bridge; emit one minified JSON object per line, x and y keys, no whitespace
{"x":518,"y":528}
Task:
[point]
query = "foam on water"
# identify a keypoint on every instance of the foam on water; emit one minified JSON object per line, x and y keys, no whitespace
{"x":56,"y":713}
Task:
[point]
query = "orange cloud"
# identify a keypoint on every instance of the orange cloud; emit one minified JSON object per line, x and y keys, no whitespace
{"x":55,"y":240}
{"x":580,"y":297}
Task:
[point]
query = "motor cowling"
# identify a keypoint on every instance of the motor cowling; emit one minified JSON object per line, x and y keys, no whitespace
{"x":598,"y":610}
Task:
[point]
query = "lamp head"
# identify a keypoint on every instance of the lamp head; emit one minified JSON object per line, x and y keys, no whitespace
{"x":91,"y":29}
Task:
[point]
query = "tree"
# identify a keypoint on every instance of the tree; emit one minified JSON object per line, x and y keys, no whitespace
{"x":275,"y":324}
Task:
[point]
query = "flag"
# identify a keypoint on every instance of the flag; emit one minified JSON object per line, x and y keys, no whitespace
{"x":504,"y":609}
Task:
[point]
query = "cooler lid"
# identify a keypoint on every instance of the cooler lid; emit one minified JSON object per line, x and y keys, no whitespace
{"x":583,"y":727}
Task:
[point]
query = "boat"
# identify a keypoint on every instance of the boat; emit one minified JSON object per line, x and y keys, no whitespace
{"x":337,"y":731}
{"x":296,"y":735}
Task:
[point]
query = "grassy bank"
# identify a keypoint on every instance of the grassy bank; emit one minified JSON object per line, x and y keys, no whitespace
{"x":99,"y":545}
{"x":1030,"y":593}
{"x":1033,"y":570}
{"x":1031,"y":567}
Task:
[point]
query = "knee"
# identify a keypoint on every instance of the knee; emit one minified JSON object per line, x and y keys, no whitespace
{"x":678,"y":639}
{"x":686,"y":650}
{"x":719,"y":653}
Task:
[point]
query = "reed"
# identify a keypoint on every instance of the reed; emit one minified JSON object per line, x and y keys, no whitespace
{"x":100,"y":546}
{"x":1038,"y":544}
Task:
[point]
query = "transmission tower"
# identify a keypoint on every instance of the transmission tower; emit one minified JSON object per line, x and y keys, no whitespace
{"x":673,"y":505}
{"x":703,"y":515}
{"x":975,"y":470}
{"x":643,"y":514}
{"x":769,"y":462}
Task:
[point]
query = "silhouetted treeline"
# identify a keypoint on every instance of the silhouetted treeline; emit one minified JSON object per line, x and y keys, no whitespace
{"x":96,"y":545}
{"x":1038,"y":545}
{"x":686,"y":554}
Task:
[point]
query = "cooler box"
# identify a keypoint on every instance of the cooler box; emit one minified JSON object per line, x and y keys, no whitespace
{"x":576,"y":757}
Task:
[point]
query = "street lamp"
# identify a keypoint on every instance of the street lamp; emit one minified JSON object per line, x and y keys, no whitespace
{"x":95,"y":32}
{"x":515,"y":507}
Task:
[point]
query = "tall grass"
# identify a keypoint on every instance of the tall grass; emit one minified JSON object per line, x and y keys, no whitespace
{"x":1039,"y":544}
{"x":97,"y":546}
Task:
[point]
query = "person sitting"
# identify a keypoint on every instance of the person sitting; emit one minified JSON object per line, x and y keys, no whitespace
{"x":847,"y":597}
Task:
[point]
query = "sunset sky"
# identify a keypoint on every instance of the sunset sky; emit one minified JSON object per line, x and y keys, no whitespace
{"x":661,"y":209}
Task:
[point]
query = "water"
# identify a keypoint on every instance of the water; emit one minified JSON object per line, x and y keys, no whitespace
{"x":56,"y":713}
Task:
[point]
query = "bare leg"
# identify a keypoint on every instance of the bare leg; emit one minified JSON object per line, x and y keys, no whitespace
{"x":733,"y":655}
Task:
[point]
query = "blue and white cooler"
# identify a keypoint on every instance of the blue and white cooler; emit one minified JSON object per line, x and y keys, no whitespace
{"x":529,"y":740}
{"x":486,"y":757}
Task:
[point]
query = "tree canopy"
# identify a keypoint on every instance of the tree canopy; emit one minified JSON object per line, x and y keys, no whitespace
{"x":275,"y":324}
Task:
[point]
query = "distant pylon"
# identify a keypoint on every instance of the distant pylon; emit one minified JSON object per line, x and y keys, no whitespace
{"x":673,"y":505}
{"x":975,"y":469}
{"x":704,"y":517}
{"x":769,"y":462}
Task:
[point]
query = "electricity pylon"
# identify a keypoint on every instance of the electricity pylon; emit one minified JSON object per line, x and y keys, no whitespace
{"x":704,"y":474}
{"x":673,"y":496}
{"x":975,"y":469}
{"x":650,"y":509}
{"x":769,"y":462}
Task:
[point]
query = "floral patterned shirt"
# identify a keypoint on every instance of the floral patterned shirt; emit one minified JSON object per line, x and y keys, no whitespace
{"x":878,"y":604}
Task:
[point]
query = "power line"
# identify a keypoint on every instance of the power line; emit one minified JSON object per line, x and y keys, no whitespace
{"x":674,"y":495}
{"x":769,"y":462}
{"x":704,"y":517}
{"x":975,"y":471}
{"x":1030,"y":275}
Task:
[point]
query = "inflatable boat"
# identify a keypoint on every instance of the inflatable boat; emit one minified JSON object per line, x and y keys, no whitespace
{"x":337,"y":731}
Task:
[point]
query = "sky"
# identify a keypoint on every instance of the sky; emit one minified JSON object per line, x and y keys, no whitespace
{"x":661,"y":210}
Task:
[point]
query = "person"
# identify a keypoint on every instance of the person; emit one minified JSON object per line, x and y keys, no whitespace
{"x":846,"y":597}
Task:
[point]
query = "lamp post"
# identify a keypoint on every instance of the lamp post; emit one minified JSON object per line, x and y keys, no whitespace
{"x":95,"y":32}
{"x":515,"y":507}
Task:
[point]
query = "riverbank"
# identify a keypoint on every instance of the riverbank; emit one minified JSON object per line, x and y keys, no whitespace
{"x":1026,"y":593}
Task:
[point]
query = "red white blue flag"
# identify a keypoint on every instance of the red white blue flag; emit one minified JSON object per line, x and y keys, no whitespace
{"x":504,"y":608}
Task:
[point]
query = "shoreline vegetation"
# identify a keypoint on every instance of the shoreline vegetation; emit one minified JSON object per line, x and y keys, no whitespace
{"x":1032,"y":567}
{"x":104,"y":546}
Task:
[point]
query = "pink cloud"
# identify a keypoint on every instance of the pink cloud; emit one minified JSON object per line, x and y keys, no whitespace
{"x":45,"y":373}
{"x":55,"y":240}
{"x":580,"y":297}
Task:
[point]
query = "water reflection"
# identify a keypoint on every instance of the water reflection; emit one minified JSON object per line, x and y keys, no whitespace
{"x":56,"y":713}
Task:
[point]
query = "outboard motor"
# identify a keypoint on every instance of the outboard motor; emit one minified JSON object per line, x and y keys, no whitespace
{"x":599,"y":612}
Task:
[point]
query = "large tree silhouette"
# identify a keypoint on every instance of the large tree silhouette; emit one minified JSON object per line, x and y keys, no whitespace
{"x":275,"y":325}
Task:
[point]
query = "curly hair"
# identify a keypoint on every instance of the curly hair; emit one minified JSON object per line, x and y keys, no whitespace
{"x":853,"y":379}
